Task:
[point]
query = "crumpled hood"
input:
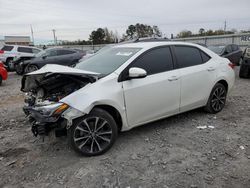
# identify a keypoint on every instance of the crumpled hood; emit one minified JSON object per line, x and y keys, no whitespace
{"x":53,"y":68}
{"x":31,"y":80}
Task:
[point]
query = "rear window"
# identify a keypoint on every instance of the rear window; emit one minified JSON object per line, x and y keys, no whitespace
{"x":7,"y":48}
{"x":24,"y":50}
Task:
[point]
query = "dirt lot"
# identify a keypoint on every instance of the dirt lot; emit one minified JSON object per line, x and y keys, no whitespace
{"x":168,"y":153}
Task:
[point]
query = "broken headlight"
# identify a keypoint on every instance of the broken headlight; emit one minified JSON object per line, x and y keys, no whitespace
{"x":52,"y":110}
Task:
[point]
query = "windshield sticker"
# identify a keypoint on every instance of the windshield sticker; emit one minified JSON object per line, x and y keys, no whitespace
{"x":124,"y":53}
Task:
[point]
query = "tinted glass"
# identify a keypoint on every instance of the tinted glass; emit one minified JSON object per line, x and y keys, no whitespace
{"x":187,"y":56}
{"x":65,"y":52}
{"x":217,"y":49}
{"x":235,"y":47}
{"x":7,"y":48}
{"x":24,"y":50}
{"x":51,"y":53}
{"x":228,"y":49}
{"x":155,"y":61}
{"x":205,"y":57}
{"x":107,"y":61}
{"x":35,"y":51}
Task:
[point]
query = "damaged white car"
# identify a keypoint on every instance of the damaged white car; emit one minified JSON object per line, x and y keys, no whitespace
{"x":123,"y":87}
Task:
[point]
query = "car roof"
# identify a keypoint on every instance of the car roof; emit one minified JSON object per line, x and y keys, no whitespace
{"x":154,"y":44}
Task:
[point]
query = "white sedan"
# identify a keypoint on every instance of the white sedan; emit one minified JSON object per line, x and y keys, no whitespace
{"x":123,"y":87}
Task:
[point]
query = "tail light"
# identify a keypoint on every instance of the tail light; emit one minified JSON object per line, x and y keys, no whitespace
{"x":1,"y":51}
{"x":231,"y":65}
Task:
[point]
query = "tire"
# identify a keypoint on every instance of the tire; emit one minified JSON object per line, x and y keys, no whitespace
{"x":9,"y":63}
{"x":243,"y":71}
{"x":30,"y":68}
{"x":19,"y":69}
{"x":1,"y":80}
{"x":93,"y":134}
{"x":217,"y":99}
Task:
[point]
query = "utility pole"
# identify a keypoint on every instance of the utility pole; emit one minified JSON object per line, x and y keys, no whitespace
{"x":225,"y":26}
{"x":54,"y":34}
{"x":32,"y":35}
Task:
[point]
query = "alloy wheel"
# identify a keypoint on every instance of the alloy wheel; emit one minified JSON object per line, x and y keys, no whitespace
{"x":92,"y":135}
{"x":218,"y":99}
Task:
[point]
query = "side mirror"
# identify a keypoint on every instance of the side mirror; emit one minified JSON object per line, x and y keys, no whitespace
{"x":135,"y":72}
{"x":44,"y":57}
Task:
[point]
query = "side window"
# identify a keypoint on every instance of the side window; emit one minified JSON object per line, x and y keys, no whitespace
{"x":35,"y":51}
{"x":155,"y":61}
{"x":235,"y":47}
{"x":7,"y":48}
{"x":228,"y":49}
{"x":187,"y":56}
{"x":24,"y":50}
{"x":205,"y":57}
{"x":51,"y":53}
{"x":65,"y":52}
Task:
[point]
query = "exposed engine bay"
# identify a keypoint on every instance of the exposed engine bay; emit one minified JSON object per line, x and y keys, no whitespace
{"x":44,"y":89}
{"x":50,"y":88}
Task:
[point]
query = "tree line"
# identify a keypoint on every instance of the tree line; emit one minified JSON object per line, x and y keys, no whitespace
{"x":106,"y":36}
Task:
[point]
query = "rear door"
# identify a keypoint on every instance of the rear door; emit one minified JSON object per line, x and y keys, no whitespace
{"x":198,"y":73}
{"x":156,"y":95}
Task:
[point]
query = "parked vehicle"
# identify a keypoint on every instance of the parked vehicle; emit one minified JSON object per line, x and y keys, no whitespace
{"x":9,"y":52}
{"x":123,"y":87}
{"x":61,"y":56}
{"x":230,"y":51}
{"x":3,"y":73}
{"x":245,"y":64}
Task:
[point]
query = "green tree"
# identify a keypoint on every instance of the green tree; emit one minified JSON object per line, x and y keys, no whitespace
{"x":98,"y":36}
{"x":184,"y":34}
{"x":201,"y":31}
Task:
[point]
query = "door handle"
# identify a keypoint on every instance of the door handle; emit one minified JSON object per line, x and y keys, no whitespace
{"x":173,"y":78}
{"x":211,"y":69}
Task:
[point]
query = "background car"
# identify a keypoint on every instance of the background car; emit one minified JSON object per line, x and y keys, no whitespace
{"x":245,"y":64}
{"x":230,"y":51}
{"x":61,"y":56}
{"x":3,"y":73}
{"x":9,"y":52}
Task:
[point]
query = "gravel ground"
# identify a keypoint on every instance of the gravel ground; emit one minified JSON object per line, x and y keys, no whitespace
{"x":171,"y":153}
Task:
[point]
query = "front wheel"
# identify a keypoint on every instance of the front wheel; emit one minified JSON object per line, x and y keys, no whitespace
{"x":19,"y":68}
{"x":217,"y":99}
{"x":93,"y":134}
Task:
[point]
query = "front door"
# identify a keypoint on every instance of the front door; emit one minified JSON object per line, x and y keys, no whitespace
{"x":158,"y":94}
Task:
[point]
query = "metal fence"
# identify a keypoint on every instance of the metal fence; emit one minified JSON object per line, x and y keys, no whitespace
{"x":243,"y":39}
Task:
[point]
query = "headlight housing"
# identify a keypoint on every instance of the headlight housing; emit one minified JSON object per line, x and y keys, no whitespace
{"x":52,"y":110}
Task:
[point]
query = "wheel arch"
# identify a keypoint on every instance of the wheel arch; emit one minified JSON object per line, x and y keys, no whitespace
{"x":113,"y":112}
{"x":224,"y":83}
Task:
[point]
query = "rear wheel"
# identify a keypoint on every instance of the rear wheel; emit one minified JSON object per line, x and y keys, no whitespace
{"x":30,"y":68}
{"x":217,"y":99}
{"x":93,"y":134}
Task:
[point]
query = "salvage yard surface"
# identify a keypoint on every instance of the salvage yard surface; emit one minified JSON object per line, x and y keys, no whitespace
{"x":193,"y":149}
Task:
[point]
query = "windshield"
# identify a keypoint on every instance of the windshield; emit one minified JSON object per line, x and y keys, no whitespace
{"x":41,"y":53}
{"x":217,"y":49}
{"x":108,"y":60}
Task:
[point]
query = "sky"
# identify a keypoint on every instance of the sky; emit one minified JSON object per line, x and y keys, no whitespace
{"x":75,"y":19}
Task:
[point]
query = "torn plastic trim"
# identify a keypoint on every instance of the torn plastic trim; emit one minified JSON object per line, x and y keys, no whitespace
{"x":70,"y":114}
